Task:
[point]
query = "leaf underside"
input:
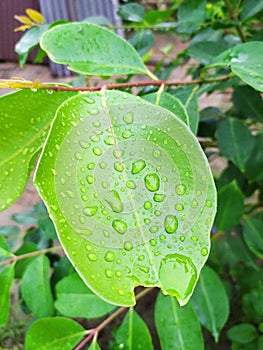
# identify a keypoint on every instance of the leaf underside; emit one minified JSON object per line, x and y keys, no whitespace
{"x":131,"y":195}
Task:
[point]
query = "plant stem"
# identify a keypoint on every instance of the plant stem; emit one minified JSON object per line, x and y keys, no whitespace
{"x":103,"y":324}
{"x":234,"y":15}
{"x":16,"y":258}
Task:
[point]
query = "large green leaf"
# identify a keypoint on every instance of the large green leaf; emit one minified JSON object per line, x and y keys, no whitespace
{"x":25,"y":118}
{"x":253,"y":235}
{"x":245,"y":60}
{"x":91,"y":49}
{"x":36,"y":289}
{"x":75,"y":299}
{"x":210,"y":301}
{"x":56,"y":333}
{"x":6,"y":280}
{"x":235,"y":141}
{"x":178,"y":327}
{"x":133,"y":333}
{"x":230,"y":206}
{"x":131,"y":195}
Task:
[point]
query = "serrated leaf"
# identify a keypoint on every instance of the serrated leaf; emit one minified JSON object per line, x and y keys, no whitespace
{"x":178,"y":327}
{"x":133,"y":333}
{"x":253,"y":235}
{"x":75,"y":299}
{"x":6,"y":280}
{"x":35,"y":287}
{"x":170,"y":102}
{"x":25,"y":117}
{"x":245,"y":60}
{"x":130,"y":192}
{"x":87,"y":48}
{"x":230,"y":206}
{"x":235,"y":141}
{"x":210,"y":302}
{"x":56,"y":333}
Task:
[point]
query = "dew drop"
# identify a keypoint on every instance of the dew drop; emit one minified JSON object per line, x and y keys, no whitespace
{"x":180,"y":189}
{"x":179,"y":207}
{"x":208,"y":203}
{"x":120,"y":226}
{"x":152,"y":182}
{"x":204,"y":251}
{"x":96,"y":123}
{"x":156,"y":153}
{"x":92,"y":257}
{"x":109,"y":256}
{"x":70,"y":194}
{"x":153,"y":242}
{"x":118,"y":166}
{"x":95,"y":138}
{"x":97,"y":151}
{"x":154,"y":229}
{"x":128,"y":117}
{"x":90,"y":179}
{"x":131,"y":184}
{"x":194,"y":203}
{"x":113,"y":199}
{"x":91,"y":166}
{"x":109,"y":273}
{"x":128,"y":245}
{"x":182,"y":238}
{"x":84,"y":197}
{"x":90,"y":211}
{"x":157,"y":197}
{"x":78,"y":156}
{"x":141,"y":257}
{"x":138,"y":166}
{"x":109,"y":141}
{"x":147,"y":205}
{"x":170,"y":223}
{"x":93,"y":111}
{"x":127,"y":134}
{"x":144,"y":269}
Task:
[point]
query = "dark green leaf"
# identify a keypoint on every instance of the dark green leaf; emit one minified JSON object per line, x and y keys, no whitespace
{"x":168,"y":101}
{"x":132,"y":12}
{"x":178,"y":327}
{"x":210,"y":302}
{"x":245,"y":60}
{"x":36,"y":287}
{"x":254,"y":165}
{"x":248,"y":103}
{"x":252,"y":305}
{"x":75,"y":299}
{"x":28,"y":41}
{"x":57,"y":333}
{"x":235,"y":141}
{"x":21,"y":265}
{"x":142,"y":41}
{"x":126,"y":177}
{"x":25,"y":117}
{"x":6,"y":280}
{"x":230,"y":206}
{"x":61,"y":269}
{"x":87,"y":49}
{"x":253,"y":235}
{"x":250,"y":8}
{"x":191,"y":14}
{"x":206,"y":51}
{"x":242,"y":333}
{"x":133,"y":333}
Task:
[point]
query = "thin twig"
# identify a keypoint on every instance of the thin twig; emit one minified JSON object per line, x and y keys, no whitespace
{"x":234,"y":15}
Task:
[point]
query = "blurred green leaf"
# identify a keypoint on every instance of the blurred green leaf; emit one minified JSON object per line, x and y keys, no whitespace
{"x":132,"y":12}
{"x":248,"y":102}
{"x":35,"y":287}
{"x":206,"y":51}
{"x":250,"y":8}
{"x":191,"y":15}
{"x":21,"y":265}
{"x":252,"y":305}
{"x":210,"y":302}
{"x":178,"y":327}
{"x":133,"y":333}
{"x":6,"y":281}
{"x":253,"y":235}
{"x":230,"y":206}
{"x":242,"y":333}
{"x":75,"y":299}
{"x":142,"y":41}
{"x":56,"y":333}
{"x":254,"y":164}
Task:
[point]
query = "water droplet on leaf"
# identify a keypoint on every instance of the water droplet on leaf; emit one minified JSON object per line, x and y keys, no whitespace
{"x":171,"y":223}
{"x":152,"y":182}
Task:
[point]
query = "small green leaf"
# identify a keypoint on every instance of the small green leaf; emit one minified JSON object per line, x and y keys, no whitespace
{"x":242,"y":333}
{"x":206,"y":51}
{"x":235,"y":141}
{"x":75,"y":299}
{"x":57,"y":333}
{"x":6,"y":280}
{"x":25,"y":117}
{"x":250,"y":8}
{"x":252,"y":305}
{"x":126,"y":177}
{"x":87,"y":49}
{"x":170,"y":102}
{"x":191,"y":14}
{"x":253,"y":235}
{"x":248,"y":103}
{"x":245,"y":60}
{"x":210,"y":302}
{"x":132,"y":12}
{"x":21,"y":265}
{"x":178,"y":327}
{"x":28,"y":41}
{"x":142,"y":41}
{"x":230,"y":206}
{"x":35,"y":287}
{"x":133,"y":333}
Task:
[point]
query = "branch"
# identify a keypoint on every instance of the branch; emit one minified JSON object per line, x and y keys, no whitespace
{"x":25,"y":84}
{"x":234,"y":15}
{"x":118,"y":312}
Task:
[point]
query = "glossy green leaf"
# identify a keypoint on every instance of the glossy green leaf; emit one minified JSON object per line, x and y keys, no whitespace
{"x":191,"y":14}
{"x":142,"y":41}
{"x":245,"y":60}
{"x":250,"y":8}
{"x":25,"y":117}
{"x":235,"y":141}
{"x":6,"y":280}
{"x":253,"y":235}
{"x":133,"y":333}
{"x":170,"y":102}
{"x":254,"y":164}
{"x":132,"y":12}
{"x":75,"y":299}
{"x":178,"y":327}
{"x":230,"y":206}
{"x":56,"y":333}
{"x":248,"y":102}
{"x":87,"y":48}
{"x":130,"y":192}
{"x":28,"y":41}
{"x":210,"y":302}
{"x":35,"y":287}
{"x":242,"y":333}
